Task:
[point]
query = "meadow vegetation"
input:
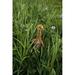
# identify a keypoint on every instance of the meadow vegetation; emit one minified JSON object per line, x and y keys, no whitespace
{"x":27,"y":59}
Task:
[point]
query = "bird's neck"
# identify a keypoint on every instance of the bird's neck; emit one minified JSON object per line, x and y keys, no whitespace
{"x":39,"y":33}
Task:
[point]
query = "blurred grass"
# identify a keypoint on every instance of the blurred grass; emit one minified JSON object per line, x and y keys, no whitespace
{"x":32,"y":61}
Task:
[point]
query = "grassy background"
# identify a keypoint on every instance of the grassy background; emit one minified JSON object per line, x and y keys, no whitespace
{"x":28,"y":60}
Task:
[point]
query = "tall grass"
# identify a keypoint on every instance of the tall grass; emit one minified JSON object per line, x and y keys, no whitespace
{"x":28,"y":60}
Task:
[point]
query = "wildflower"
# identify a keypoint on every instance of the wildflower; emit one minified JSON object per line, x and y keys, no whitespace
{"x":46,"y":8}
{"x":53,"y":27}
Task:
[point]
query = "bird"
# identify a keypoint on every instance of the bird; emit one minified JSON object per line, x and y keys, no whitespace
{"x":38,"y":40}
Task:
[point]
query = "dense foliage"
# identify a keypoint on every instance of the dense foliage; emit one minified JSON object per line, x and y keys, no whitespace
{"x":28,"y":60}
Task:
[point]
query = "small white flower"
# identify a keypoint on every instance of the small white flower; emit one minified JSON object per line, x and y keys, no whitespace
{"x":53,"y":27}
{"x":46,"y":8}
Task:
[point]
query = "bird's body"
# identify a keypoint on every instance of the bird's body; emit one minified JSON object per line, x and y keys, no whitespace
{"x":38,"y":41}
